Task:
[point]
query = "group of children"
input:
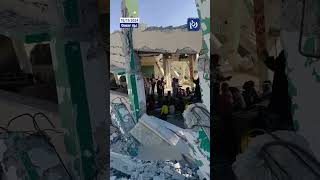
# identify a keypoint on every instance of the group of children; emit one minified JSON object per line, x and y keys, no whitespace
{"x":168,"y":105}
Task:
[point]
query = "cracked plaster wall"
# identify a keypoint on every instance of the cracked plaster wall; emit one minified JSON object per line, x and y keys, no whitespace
{"x":303,"y":72}
{"x":156,"y":39}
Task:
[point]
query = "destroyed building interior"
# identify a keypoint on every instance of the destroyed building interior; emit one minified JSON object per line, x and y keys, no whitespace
{"x":73,"y":106}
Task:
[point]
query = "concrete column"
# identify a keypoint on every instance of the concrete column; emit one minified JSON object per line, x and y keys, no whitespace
{"x":191,"y":64}
{"x":232,"y":29}
{"x":157,"y":58}
{"x":204,"y":58}
{"x":203,"y":8}
{"x":24,"y":60}
{"x":167,"y":73}
{"x":260,"y":31}
{"x":135,"y":82}
{"x":75,"y":113}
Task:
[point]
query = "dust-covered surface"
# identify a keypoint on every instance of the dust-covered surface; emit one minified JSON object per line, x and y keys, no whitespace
{"x":124,"y":166}
{"x":156,"y":150}
{"x":29,"y":156}
{"x":251,"y":165}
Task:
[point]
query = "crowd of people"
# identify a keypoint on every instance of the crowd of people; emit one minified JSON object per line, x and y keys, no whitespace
{"x":228,"y":100}
{"x":175,"y":101}
{"x":231,"y":99}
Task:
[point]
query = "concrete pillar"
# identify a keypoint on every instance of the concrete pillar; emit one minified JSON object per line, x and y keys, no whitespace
{"x":203,"y":8}
{"x":22,"y":56}
{"x":232,"y":29}
{"x":191,"y":64}
{"x":167,"y":73}
{"x":157,"y":58}
{"x":204,"y":58}
{"x":73,"y":106}
{"x":260,"y":31}
{"x":135,"y":82}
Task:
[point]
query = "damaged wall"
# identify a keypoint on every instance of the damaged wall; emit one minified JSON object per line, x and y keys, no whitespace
{"x":167,"y":39}
{"x":156,"y":39}
{"x":303,"y":72}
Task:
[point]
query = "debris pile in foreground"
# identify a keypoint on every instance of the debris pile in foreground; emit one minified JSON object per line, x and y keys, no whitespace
{"x":124,"y":166}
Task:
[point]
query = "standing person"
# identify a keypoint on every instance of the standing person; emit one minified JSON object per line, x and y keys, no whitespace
{"x":150,"y":104}
{"x":266,"y":90}
{"x":173,"y":85}
{"x":218,"y":78}
{"x":250,"y":95}
{"x":280,"y":102}
{"x":226,"y":100}
{"x":238,"y":100}
{"x":159,"y":90}
{"x":153,"y":84}
{"x":163,"y":83}
{"x":188,"y":91}
{"x":197,"y":91}
{"x":164,"y":110}
{"x":147,"y":86}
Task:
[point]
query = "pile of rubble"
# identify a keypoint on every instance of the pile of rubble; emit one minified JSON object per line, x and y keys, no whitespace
{"x":124,"y":166}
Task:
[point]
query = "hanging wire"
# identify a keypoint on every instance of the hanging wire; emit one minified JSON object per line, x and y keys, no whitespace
{"x":38,"y":132}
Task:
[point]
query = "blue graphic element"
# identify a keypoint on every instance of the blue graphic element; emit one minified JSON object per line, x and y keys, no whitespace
{"x":193,"y":24}
{"x":129,"y":25}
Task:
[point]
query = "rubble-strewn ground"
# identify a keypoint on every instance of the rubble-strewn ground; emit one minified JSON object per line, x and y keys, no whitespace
{"x":124,"y":166}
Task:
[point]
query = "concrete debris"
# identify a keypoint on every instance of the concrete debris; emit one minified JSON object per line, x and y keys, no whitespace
{"x":165,"y":152}
{"x":160,"y":131}
{"x":197,"y":116}
{"x":251,"y":165}
{"x":131,"y":168}
{"x":26,"y":156}
{"x":121,"y":117}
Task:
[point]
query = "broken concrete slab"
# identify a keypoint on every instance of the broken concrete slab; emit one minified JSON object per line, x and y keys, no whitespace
{"x":135,"y":169}
{"x":29,"y":156}
{"x":251,"y":165}
{"x":197,"y":117}
{"x":157,"y":131}
{"x":156,"y":134}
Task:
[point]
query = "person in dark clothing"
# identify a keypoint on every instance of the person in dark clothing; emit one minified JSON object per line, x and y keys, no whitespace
{"x":197,"y":91}
{"x":226,"y":100}
{"x":188,"y":92}
{"x":280,"y":102}
{"x":153,"y":83}
{"x":218,"y":78}
{"x":180,"y":105}
{"x":226,"y":127}
{"x":163,"y":83}
{"x":150,"y":104}
{"x":238,"y":100}
{"x":217,"y":74}
{"x":249,"y":94}
{"x":159,"y":90}
{"x":266,"y":90}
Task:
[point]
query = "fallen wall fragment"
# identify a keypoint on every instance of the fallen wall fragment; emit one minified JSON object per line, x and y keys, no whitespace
{"x":280,"y":162}
{"x":153,"y":132}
